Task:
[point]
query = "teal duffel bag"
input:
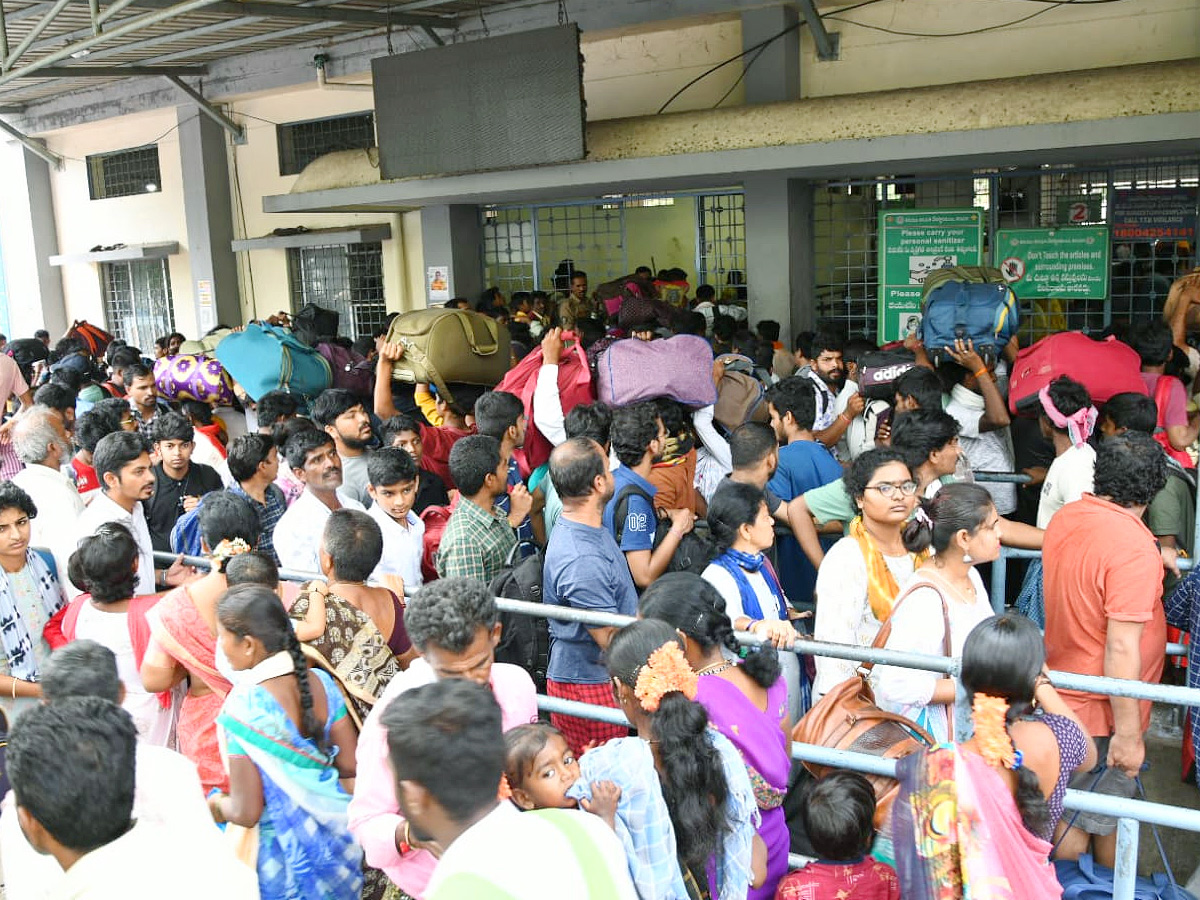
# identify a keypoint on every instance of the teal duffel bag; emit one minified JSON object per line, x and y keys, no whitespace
{"x":266,"y":358}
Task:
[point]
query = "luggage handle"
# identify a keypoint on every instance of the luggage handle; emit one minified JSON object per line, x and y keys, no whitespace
{"x":478,"y":349}
{"x":417,"y":355}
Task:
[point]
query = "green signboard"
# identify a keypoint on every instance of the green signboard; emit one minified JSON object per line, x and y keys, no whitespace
{"x":1065,"y":263}
{"x":913,"y":243}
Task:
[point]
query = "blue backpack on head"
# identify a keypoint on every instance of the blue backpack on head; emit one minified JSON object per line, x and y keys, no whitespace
{"x":967,"y":302}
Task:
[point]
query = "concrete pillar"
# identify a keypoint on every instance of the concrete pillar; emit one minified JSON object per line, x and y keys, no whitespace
{"x":779,"y":252}
{"x":208,"y":213}
{"x":774,"y":74}
{"x":28,"y":238}
{"x":452,"y":238}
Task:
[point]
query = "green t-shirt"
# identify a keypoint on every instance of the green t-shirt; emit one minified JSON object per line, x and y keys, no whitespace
{"x":1172,"y":513}
{"x":830,"y":503}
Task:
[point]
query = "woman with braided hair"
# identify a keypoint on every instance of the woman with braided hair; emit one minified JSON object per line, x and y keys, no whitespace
{"x":686,"y":812}
{"x":287,"y":740}
{"x":745,"y":698}
{"x":975,"y":818}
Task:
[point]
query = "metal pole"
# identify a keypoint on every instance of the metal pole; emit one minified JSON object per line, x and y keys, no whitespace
{"x":999,"y":580}
{"x":1093,"y":684}
{"x":37,"y":148}
{"x":1127,"y":859}
{"x":111,"y":10}
{"x":238,"y":132}
{"x":34,"y":32}
{"x":94,"y":12}
{"x":127,"y":27}
{"x":3,"y":33}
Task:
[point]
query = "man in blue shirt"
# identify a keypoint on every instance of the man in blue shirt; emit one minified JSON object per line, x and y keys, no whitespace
{"x":804,"y":463}
{"x":638,"y":438}
{"x":584,"y":570}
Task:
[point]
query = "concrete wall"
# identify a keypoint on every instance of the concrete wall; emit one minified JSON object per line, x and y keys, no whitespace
{"x":264,"y":272}
{"x":1067,"y":38}
{"x":145,"y":218}
{"x":634,"y":74}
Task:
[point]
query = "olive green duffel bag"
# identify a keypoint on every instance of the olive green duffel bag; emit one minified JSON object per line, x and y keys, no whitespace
{"x":442,"y":346}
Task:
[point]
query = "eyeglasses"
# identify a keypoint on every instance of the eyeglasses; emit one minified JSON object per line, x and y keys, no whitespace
{"x":888,"y":489}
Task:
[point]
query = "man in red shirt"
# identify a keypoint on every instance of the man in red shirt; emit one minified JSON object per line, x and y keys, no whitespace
{"x":458,"y":418}
{"x":89,"y":429}
{"x":1104,"y":616}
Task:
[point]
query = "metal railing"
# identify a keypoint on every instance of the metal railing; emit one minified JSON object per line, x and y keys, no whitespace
{"x":1129,"y":813}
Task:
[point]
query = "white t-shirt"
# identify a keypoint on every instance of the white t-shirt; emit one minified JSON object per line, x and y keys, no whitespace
{"x":527,"y":855}
{"x":917,"y":627}
{"x":102,"y":509}
{"x":402,"y":547}
{"x":155,"y":724}
{"x":728,"y":589}
{"x":298,"y":532}
{"x":986,"y":451}
{"x":843,"y":611}
{"x":1069,"y":477}
{"x":168,"y":803}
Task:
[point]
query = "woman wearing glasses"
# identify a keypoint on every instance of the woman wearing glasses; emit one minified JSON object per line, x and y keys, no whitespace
{"x":860,"y":577}
{"x":942,"y":603}
{"x":30,"y":599}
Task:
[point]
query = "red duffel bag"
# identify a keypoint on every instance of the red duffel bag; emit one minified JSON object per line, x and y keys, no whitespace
{"x":1105,"y":368}
{"x":574,"y":387}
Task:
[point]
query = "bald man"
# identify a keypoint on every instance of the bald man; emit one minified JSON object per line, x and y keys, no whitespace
{"x":585,"y":569}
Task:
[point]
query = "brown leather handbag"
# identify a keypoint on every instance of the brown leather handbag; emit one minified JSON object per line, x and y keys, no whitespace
{"x":847,"y":718}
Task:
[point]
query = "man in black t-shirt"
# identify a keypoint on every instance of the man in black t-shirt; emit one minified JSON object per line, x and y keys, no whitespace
{"x":179,"y":483}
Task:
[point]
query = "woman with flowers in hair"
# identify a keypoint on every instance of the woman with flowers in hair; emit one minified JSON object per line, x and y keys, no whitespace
{"x":975,"y":819}
{"x":941,"y":603}
{"x":686,"y":812}
{"x":183,"y":635}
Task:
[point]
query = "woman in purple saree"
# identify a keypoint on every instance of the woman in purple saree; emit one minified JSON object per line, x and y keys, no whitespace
{"x":746,"y":701}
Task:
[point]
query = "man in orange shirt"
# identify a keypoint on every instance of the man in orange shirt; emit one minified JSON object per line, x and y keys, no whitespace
{"x":1104,"y":616}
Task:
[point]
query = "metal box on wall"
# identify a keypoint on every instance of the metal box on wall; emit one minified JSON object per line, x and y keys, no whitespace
{"x":505,"y":102}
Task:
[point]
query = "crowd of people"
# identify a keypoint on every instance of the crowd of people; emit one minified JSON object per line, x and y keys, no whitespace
{"x":365,"y":726}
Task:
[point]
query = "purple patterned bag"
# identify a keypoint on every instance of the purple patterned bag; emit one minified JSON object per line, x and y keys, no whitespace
{"x":188,"y":377}
{"x":678,"y":367}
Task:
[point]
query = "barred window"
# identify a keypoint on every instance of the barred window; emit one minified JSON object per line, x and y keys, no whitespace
{"x":302,"y":142}
{"x":124,"y":173}
{"x":344,"y":277}
{"x":137,"y":301}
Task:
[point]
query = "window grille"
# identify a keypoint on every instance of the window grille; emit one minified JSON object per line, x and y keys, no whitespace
{"x":845,"y":217}
{"x":124,"y":173}
{"x":344,"y":277}
{"x":302,"y":142}
{"x":721,"y":221}
{"x":509,"y":249}
{"x":137,"y":301}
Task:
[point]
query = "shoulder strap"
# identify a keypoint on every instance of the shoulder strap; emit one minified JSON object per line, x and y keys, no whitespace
{"x":885,"y":630}
{"x":621,"y":510}
{"x":48,"y":558}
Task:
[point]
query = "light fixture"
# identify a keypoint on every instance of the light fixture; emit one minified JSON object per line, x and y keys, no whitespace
{"x":151,"y":187}
{"x":79,"y":54}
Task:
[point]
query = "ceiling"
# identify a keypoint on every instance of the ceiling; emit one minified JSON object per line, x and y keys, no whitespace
{"x":180,"y":36}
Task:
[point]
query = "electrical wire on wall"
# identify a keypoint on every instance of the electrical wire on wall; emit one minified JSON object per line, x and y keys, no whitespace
{"x":760,"y":46}
{"x":836,"y":16}
{"x":1050,"y":6}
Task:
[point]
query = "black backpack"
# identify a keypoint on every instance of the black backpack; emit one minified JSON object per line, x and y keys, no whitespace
{"x":524,"y":640}
{"x":694,"y":552}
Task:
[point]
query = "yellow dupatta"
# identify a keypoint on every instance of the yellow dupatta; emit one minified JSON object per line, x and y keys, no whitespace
{"x":882,"y":588}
